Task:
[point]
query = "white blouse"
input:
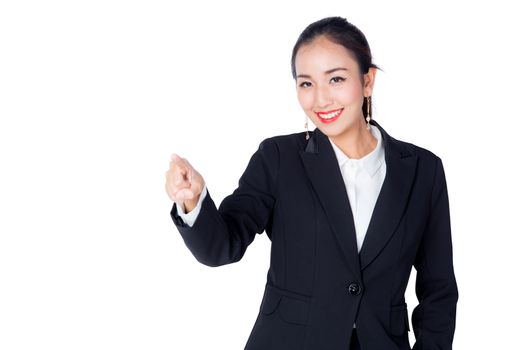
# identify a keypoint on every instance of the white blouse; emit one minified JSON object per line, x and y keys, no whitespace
{"x":363,"y":179}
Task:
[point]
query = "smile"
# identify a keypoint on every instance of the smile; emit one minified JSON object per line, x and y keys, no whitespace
{"x":330,"y":116}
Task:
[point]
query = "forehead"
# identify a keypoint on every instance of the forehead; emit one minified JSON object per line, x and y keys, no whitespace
{"x":322,"y":54}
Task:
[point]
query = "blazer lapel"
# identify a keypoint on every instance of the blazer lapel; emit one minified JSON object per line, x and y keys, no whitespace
{"x":320,"y":163}
{"x":322,"y":168}
{"x":392,"y":199}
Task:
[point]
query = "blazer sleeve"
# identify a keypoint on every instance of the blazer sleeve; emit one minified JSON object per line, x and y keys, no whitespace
{"x":221,"y":236}
{"x":434,"y":318}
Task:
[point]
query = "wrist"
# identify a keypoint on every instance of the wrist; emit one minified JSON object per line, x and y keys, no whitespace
{"x":190,"y":204}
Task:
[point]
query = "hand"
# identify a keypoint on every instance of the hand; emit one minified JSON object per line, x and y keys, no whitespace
{"x":184,"y":184}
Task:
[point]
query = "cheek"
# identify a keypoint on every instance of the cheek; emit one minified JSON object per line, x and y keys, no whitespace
{"x":349,"y":94}
{"x":305,"y":99}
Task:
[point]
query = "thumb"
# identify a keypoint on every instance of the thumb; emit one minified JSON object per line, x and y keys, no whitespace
{"x":184,"y":194}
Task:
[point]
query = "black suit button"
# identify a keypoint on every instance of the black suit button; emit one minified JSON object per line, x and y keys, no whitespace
{"x":354,"y":288}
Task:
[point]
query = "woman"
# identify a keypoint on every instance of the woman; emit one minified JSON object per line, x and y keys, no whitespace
{"x":348,"y":208}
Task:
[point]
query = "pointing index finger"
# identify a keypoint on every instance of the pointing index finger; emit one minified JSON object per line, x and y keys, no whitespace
{"x":181,"y":168}
{"x":177,"y":160}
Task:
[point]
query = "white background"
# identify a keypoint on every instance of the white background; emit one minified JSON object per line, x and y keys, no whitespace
{"x":96,"y":95}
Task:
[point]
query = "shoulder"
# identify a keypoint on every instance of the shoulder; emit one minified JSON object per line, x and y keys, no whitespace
{"x":288,"y":142}
{"x":422,"y":153}
{"x":430,"y":164}
{"x":284,"y":143}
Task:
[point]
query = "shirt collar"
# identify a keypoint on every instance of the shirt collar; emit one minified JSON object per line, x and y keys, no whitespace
{"x":372,"y":161}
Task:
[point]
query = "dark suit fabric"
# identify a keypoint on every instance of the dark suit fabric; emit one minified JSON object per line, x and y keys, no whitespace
{"x":293,"y":190}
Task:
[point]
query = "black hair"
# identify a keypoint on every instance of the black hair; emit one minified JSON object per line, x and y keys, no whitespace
{"x":340,"y":31}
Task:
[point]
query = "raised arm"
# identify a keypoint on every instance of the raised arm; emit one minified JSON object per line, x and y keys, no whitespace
{"x":221,"y":236}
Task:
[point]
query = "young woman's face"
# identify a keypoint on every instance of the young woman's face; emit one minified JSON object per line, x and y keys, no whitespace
{"x":329,"y":86}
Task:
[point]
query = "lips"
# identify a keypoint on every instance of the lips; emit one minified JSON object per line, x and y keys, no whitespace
{"x":329,"y":116}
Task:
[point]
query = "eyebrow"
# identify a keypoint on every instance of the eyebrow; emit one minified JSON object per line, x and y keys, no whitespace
{"x":327,"y":72}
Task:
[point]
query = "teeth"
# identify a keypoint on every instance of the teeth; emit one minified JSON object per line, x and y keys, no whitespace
{"x":329,"y":115}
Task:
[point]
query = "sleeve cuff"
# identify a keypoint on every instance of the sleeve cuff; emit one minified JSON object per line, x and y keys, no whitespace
{"x":189,"y":218}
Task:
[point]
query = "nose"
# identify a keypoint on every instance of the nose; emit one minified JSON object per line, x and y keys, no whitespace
{"x":323,"y":98}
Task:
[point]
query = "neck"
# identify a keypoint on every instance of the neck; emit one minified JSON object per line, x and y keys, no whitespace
{"x":356,"y":142}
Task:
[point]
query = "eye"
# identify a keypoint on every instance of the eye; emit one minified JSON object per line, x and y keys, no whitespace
{"x":340,"y":79}
{"x":304,"y":82}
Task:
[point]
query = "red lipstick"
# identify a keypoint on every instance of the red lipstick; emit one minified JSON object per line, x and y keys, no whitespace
{"x":334,"y":114}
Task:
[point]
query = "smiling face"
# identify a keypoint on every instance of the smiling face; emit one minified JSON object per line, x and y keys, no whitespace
{"x":330,"y":87}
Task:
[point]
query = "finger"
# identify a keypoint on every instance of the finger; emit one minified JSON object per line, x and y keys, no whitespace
{"x":177,"y":194}
{"x":182,"y":168}
{"x":178,"y":178}
{"x":178,"y":168}
{"x":184,"y":195}
{"x":179,"y":187}
{"x":178,"y":173}
{"x":190,"y":170}
{"x":176,"y":182}
{"x":174,"y":176}
{"x":169,"y":191}
{"x":177,"y":159}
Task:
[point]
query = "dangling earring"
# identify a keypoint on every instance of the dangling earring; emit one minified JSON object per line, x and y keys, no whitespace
{"x":306,"y":127}
{"x":368,"y":111}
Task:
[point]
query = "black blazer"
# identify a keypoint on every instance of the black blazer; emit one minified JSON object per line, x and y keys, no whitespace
{"x":317,"y":283}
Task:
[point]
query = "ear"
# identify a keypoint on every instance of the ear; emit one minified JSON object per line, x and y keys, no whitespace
{"x":369,"y":79}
